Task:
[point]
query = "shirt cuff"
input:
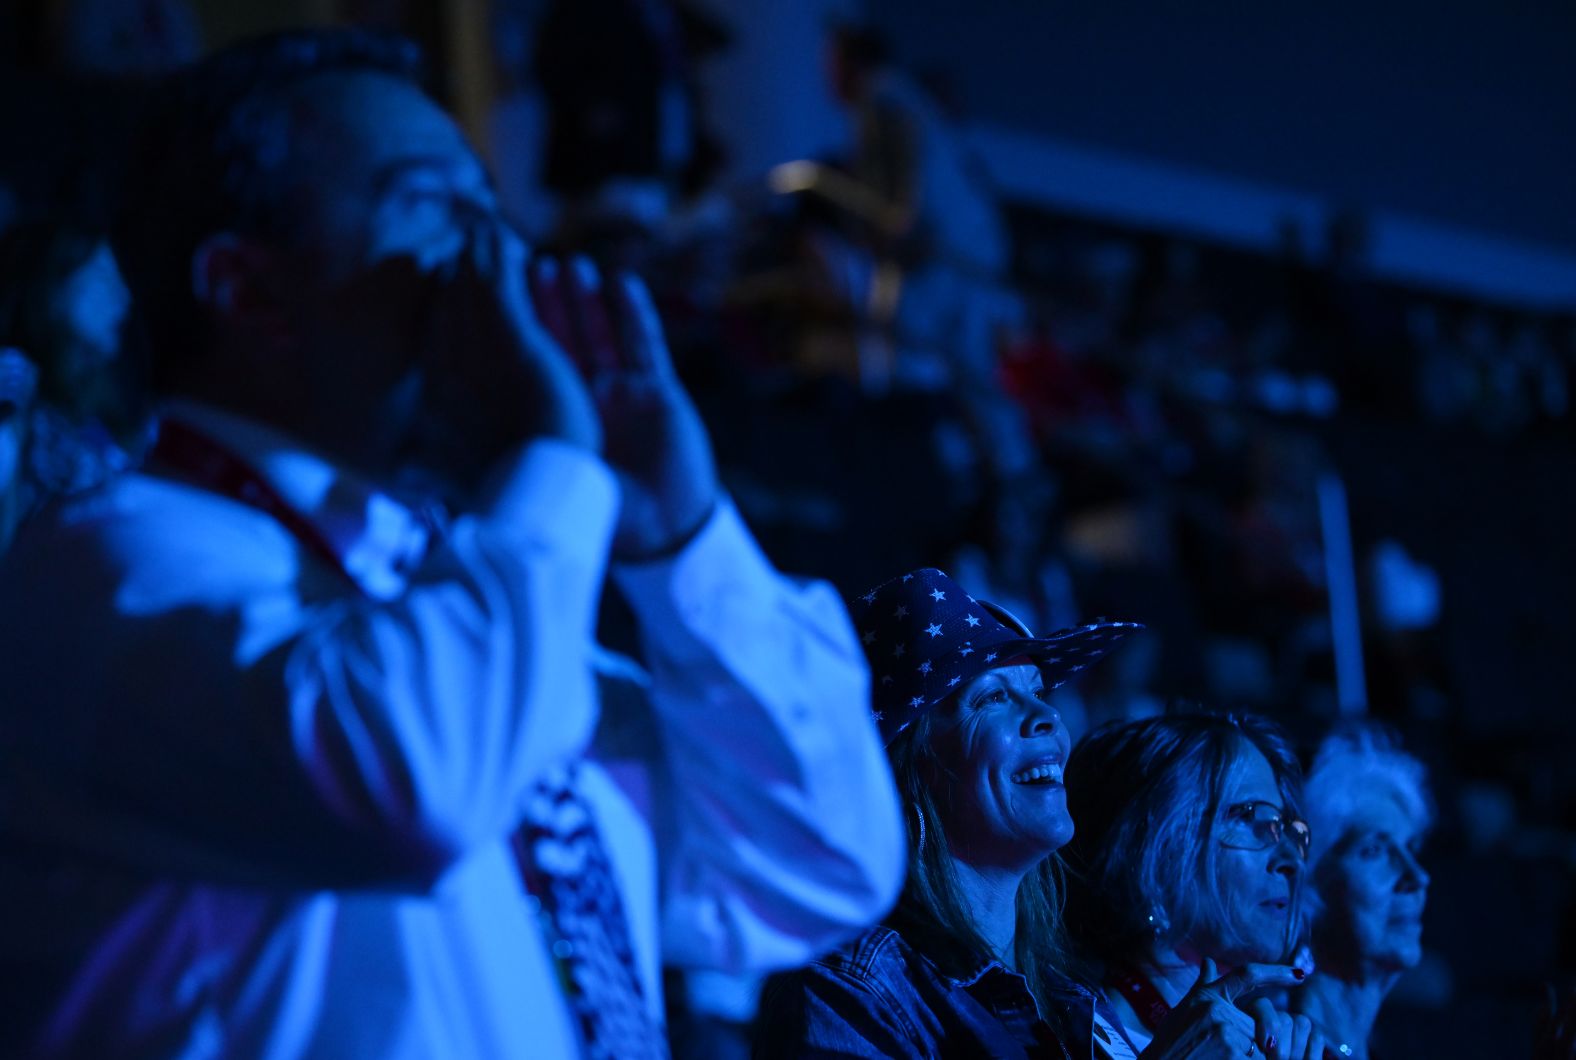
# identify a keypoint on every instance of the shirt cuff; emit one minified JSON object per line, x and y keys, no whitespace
{"x":690,"y":589}
{"x":551,"y":493}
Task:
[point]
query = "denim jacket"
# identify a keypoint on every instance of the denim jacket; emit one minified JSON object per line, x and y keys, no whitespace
{"x":879,"y":997}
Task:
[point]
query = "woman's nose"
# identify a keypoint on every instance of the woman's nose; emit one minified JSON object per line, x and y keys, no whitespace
{"x":1040,"y":718}
{"x":1413,"y":876}
{"x":1286,"y":857}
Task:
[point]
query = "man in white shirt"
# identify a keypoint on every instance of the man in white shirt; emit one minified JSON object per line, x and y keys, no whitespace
{"x":291,"y":765}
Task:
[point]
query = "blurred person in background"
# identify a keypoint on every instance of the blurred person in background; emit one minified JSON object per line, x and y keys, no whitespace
{"x":1368,"y":811}
{"x":627,"y":141}
{"x":63,"y":301}
{"x":74,"y":75}
{"x":929,"y":199}
{"x":308,"y":729}
{"x":126,"y":37}
{"x":1188,"y":856}
{"x":974,"y":961}
{"x":921,"y":205}
{"x":18,"y":383}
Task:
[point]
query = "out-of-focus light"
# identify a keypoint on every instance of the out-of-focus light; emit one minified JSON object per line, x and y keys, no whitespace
{"x":791,"y":177}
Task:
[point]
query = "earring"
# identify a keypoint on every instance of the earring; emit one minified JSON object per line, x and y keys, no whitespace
{"x":1158,"y":922}
{"x":920,"y":814}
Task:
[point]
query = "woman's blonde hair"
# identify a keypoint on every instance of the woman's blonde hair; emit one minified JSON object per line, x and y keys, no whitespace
{"x":933,"y":913}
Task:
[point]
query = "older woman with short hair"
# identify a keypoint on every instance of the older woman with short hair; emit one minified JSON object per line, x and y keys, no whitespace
{"x":1189,"y":854}
{"x":1369,"y":809}
{"x":974,"y":962}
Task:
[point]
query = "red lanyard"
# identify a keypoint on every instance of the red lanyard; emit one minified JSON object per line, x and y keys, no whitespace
{"x":1144,"y":998}
{"x":211,"y":465}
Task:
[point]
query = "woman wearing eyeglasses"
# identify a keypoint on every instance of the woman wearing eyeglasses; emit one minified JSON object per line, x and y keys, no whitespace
{"x":1368,"y":803}
{"x":1188,"y":857}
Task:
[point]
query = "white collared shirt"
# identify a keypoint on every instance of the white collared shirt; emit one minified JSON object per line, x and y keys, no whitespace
{"x":249,"y":811}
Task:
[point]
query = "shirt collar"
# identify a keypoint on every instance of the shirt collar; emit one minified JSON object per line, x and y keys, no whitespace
{"x":377,"y":538}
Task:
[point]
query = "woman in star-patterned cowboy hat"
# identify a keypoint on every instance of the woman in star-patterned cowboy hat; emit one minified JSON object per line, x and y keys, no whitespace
{"x":972,"y":962}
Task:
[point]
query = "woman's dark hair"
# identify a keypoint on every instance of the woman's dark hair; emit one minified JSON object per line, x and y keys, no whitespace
{"x":933,"y":915}
{"x":1145,"y":797}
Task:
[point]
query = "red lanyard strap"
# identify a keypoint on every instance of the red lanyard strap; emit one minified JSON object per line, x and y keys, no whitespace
{"x":1144,"y":998}
{"x":212,"y":466}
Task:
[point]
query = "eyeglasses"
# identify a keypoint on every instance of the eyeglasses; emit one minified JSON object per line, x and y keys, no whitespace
{"x":1260,"y":825}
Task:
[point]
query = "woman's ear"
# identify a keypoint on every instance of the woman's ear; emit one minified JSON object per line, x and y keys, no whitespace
{"x":235,"y":280}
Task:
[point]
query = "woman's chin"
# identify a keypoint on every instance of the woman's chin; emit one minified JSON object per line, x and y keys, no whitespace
{"x":1400,"y":956}
{"x":1264,"y":944}
{"x":1058,"y":832}
{"x":1043,"y":840}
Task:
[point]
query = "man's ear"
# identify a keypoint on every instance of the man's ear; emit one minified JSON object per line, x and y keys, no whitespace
{"x":235,"y":279}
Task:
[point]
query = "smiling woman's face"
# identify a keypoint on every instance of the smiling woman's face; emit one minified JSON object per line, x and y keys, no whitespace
{"x":1374,"y":889}
{"x":1256,"y":887}
{"x":1002,"y":749}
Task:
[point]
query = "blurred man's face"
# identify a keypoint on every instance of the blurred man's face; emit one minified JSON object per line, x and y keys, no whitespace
{"x":382,"y":189}
{"x":381,"y":173}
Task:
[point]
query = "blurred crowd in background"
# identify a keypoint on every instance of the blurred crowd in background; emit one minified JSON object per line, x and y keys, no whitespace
{"x":1329,"y":494}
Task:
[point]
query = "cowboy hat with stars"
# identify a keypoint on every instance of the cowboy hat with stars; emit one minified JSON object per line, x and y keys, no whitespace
{"x":924,"y":636}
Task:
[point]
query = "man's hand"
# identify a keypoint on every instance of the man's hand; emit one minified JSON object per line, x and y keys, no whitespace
{"x":655,"y":440}
{"x":494,"y":376}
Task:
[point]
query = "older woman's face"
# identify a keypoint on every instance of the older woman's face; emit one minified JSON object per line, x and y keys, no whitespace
{"x":1256,"y":887}
{"x":1003,"y":748}
{"x":1374,"y":889}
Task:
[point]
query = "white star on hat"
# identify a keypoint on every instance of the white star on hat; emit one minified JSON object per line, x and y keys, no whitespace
{"x":933,"y":629}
